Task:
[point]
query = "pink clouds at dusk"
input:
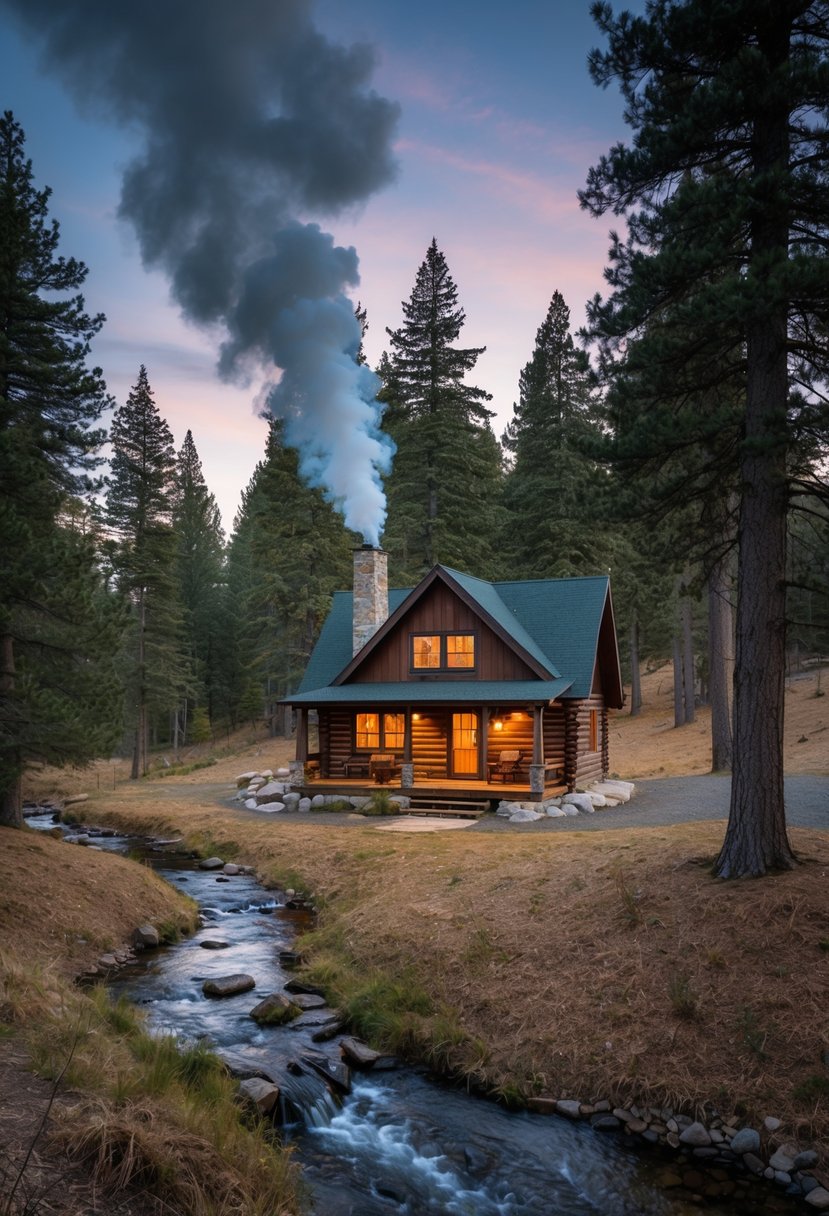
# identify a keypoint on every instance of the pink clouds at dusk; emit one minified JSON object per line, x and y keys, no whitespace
{"x":498,"y":126}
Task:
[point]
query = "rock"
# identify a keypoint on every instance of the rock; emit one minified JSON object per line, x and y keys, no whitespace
{"x":753,"y":1163}
{"x":212,"y":943}
{"x":818,"y":1199}
{"x":283,"y":772}
{"x":771,"y":1124}
{"x":612,"y":791}
{"x":73,"y":798}
{"x":304,"y":805}
{"x":542,"y":1106}
{"x":605,"y":1123}
{"x":597,"y":799}
{"x":146,"y":937}
{"x":308,"y":1000}
{"x":359,"y":801}
{"x":228,"y":985}
{"x":524,"y":815}
{"x":275,"y":1010}
{"x":747,"y":1140}
{"x":270,"y":808}
{"x":291,"y":800}
{"x":583,"y":801}
{"x":250,"y":803}
{"x":637,"y":1126}
{"x":260,"y":1093}
{"x":568,"y":808}
{"x":231,"y":868}
{"x":784,"y":1158}
{"x":568,"y":1108}
{"x":359,"y":1055}
{"x":696,"y":1136}
{"x":335,"y":1071}
{"x":244,"y":778}
{"x":107,"y":961}
{"x":270,"y":791}
{"x":806,"y":1160}
{"x":554,"y":812}
{"x":211,"y":863}
{"x":318,"y":800}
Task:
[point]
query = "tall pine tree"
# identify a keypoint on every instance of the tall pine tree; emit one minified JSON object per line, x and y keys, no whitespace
{"x":553,"y":484}
{"x":727,"y":197}
{"x":444,"y":488}
{"x":199,"y":569}
{"x":58,"y":699}
{"x":139,"y":509}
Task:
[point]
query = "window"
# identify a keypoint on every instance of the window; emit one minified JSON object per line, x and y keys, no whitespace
{"x":443,"y":651}
{"x":379,"y":732}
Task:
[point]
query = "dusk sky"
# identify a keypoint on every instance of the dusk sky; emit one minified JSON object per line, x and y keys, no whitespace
{"x":499,"y":123}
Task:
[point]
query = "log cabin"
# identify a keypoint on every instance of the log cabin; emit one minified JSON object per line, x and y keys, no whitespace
{"x":459,"y":690}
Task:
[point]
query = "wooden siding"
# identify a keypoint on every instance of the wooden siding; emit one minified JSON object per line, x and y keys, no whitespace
{"x":580,"y":764}
{"x":430,"y":734}
{"x":439,"y":610}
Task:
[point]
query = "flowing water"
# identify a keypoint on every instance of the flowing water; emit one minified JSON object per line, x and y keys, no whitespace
{"x":400,"y":1142}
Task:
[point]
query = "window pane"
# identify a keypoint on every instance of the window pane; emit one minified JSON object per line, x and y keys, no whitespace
{"x":426,"y":650}
{"x":367,"y":733}
{"x":393,"y":727}
{"x":460,"y":650}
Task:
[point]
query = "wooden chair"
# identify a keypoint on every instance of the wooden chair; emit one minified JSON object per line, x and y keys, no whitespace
{"x":506,"y":765}
{"x":358,"y":764}
{"x":383,"y":766}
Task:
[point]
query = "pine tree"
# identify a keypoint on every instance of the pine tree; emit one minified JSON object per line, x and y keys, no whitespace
{"x":725,"y":268}
{"x":139,"y":512}
{"x":445,"y":484}
{"x":199,"y":572}
{"x":288,"y":553}
{"x":58,"y":698}
{"x":553,"y":484}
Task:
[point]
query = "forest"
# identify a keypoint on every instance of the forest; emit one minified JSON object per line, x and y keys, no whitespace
{"x":133,"y":618}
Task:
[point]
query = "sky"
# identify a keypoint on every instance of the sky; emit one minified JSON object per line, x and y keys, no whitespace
{"x":498,"y":125}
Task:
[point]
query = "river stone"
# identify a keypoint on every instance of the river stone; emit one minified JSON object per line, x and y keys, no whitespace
{"x":230,"y":867}
{"x":290,"y":799}
{"x":596,"y":798}
{"x":304,"y":806}
{"x":569,"y":1108}
{"x":107,"y":960}
{"x":818,"y":1199}
{"x":784,"y":1158}
{"x":228,"y":985}
{"x":747,"y":1140}
{"x":262,"y":1094}
{"x":318,"y":800}
{"x":771,"y":1124}
{"x":753,"y":1163}
{"x":696,"y":1135}
{"x":146,"y":936}
{"x":554,"y":811}
{"x":274,"y":1010}
{"x":524,"y":815}
{"x":270,"y":808}
{"x":212,"y":943}
{"x":569,"y":808}
{"x":605,"y":1123}
{"x":806,"y":1159}
{"x":308,"y":1000}
{"x":211,"y":863}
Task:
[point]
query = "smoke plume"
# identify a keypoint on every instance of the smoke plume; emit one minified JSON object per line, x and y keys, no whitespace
{"x":251,"y":121}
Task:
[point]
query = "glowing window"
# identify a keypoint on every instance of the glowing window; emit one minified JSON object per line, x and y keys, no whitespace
{"x":393,"y":729}
{"x":460,"y":650}
{"x":367,"y":733}
{"x":426,"y":650}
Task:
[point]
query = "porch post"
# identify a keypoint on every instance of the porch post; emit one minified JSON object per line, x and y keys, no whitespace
{"x":407,"y":767}
{"x":537,"y":766}
{"x":484,"y":755}
{"x":297,"y":767}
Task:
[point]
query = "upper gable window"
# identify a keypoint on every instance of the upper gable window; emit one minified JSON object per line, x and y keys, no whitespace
{"x":443,"y":651}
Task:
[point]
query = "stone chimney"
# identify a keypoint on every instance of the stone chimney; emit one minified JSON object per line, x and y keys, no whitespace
{"x":371,"y":593}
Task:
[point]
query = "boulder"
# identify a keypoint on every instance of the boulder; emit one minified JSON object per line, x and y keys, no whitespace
{"x":275,"y":1010}
{"x":211,"y":863}
{"x":270,"y":790}
{"x":569,"y":1108}
{"x":818,"y":1199}
{"x":359,"y":1055}
{"x":304,"y":805}
{"x":271,"y":808}
{"x":146,"y":937}
{"x":250,"y":803}
{"x":244,"y":778}
{"x":553,"y":811}
{"x":746,"y":1140}
{"x":597,"y":799}
{"x":318,"y":800}
{"x":308,"y":1000}
{"x":230,"y":867}
{"x":619,"y":791}
{"x":228,"y":985}
{"x":569,"y":808}
{"x":283,"y":772}
{"x":260,"y":1093}
{"x":524,"y":815}
{"x":213,"y":943}
{"x":583,"y":801}
{"x":291,"y":800}
{"x":696,"y":1136}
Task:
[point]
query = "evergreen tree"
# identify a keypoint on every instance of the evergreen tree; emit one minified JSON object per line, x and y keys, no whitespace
{"x":444,"y":488}
{"x":724,"y":274}
{"x":139,"y":511}
{"x":553,"y":485}
{"x":199,"y":570}
{"x":57,"y":629}
{"x":288,"y":553}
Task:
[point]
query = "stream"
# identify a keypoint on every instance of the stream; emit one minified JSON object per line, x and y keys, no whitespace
{"x":401,"y":1142}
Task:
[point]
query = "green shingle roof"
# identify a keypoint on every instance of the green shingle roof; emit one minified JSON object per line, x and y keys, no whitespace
{"x":556,"y":621}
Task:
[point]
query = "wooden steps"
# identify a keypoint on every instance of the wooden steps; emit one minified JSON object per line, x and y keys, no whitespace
{"x":465,"y":808}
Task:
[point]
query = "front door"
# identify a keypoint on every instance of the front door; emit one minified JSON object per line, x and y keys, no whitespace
{"x":465,"y":754}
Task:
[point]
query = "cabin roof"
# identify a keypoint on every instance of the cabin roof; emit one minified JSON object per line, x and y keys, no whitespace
{"x":555,"y":621}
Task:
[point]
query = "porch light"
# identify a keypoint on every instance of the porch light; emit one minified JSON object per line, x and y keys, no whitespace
{"x":498,"y":724}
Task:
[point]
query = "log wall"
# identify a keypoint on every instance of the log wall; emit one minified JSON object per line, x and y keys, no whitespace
{"x":581,"y":765}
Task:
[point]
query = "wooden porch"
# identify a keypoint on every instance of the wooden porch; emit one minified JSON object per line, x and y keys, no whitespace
{"x":441,"y":789}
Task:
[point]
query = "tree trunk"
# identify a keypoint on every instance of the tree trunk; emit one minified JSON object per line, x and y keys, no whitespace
{"x":720,"y":665}
{"x":11,"y":795}
{"x":756,"y":840}
{"x":635,"y":680}
{"x":679,"y":699}
{"x":688,"y":676}
{"x":139,"y":755}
